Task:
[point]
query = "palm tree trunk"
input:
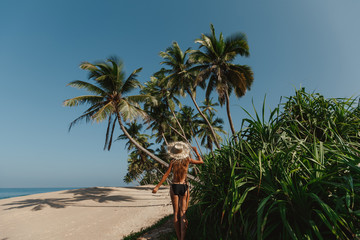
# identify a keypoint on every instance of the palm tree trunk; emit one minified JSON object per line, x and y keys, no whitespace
{"x":174,"y":115}
{"x":205,"y":118}
{"x":137,"y":144}
{"x":141,"y":148}
{"x":212,"y":153}
{"x":197,"y":143}
{"x":229,"y":115}
{"x":178,"y":133}
{"x":163,"y":136}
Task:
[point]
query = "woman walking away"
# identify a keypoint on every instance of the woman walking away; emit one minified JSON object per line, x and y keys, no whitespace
{"x":179,"y":152}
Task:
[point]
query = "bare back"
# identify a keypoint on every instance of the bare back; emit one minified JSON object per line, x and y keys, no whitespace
{"x":180,"y":169}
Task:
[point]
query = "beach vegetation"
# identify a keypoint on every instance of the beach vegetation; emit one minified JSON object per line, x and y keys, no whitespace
{"x":291,"y":173}
{"x":294,"y":175}
{"x":181,"y":78}
{"x":158,"y":103}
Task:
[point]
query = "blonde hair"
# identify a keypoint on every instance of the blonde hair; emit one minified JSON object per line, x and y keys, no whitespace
{"x":182,"y":161}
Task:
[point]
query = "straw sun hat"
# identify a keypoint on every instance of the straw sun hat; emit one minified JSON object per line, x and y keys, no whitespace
{"x":178,"y":150}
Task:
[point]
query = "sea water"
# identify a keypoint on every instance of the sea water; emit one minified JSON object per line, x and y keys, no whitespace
{"x":17,"y":192}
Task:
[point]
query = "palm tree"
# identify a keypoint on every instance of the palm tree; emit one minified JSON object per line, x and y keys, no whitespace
{"x":166,"y":102}
{"x":188,"y":120}
{"x":180,"y":78}
{"x":207,"y":140}
{"x":158,"y":122}
{"x":215,"y":64}
{"x":208,"y":106}
{"x":138,"y":162}
{"x":138,"y":166}
{"x":134,"y":130}
{"x":109,"y":99}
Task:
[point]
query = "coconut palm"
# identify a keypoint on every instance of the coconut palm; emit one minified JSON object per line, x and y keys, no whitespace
{"x":158,"y":122}
{"x":164,"y":109}
{"x":138,"y":162}
{"x":110,"y":99}
{"x":134,"y":130}
{"x":215,"y":64}
{"x":180,"y":78}
{"x":139,"y":166}
{"x":188,"y":120}
{"x":207,"y":140}
{"x":209,"y":106}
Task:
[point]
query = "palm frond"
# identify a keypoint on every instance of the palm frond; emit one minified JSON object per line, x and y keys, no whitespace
{"x":104,"y":112}
{"x":86,"y":99}
{"x":131,"y":82}
{"x":86,"y":116}
{"x":88,"y":86}
{"x":130,"y":111}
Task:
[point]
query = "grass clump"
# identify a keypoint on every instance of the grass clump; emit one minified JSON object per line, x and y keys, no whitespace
{"x":134,"y":236}
{"x":293,"y":176}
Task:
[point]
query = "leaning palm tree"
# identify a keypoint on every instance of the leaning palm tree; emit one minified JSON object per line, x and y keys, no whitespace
{"x":215,"y":64}
{"x":138,"y":161}
{"x":180,"y":79}
{"x":110,"y":99}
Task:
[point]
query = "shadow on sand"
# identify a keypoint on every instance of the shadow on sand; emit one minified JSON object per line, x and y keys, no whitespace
{"x":100,"y":195}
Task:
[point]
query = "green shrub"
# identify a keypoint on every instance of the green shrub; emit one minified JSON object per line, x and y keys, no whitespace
{"x":294,"y":176}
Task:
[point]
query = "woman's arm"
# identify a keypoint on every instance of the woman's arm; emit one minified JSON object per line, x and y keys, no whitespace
{"x":199,"y":161}
{"x":166,"y":174}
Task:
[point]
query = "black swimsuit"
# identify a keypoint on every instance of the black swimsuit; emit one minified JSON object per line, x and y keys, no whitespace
{"x":179,"y":189}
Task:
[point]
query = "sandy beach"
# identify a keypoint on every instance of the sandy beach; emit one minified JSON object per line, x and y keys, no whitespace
{"x":89,"y":213}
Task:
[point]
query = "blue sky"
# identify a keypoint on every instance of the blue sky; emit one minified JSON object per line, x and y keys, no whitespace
{"x":314,"y":44}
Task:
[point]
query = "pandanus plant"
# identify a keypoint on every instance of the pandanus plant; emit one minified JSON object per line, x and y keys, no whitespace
{"x":294,"y":175}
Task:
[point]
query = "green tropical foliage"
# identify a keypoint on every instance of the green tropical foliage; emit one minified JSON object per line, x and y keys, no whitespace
{"x":162,"y":117}
{"x":180,"y":78}
{"x":294,"y":176}
{"x":110,"y":98}
{"x":208,"y":106}
{"x":207,"y":140}
{"x":214,"y":62}
{"x":157,"y":104}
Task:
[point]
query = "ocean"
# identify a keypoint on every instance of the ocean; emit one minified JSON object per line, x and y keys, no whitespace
{"x":17,"y":192}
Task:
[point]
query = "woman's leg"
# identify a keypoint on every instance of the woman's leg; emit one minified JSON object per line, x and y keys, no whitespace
{"x":175,"y":203}
{"x":188,"y":198}
{"x":183,"y":207}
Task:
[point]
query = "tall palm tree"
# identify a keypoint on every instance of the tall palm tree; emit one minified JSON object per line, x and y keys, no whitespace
{"x":180,"y":78}
{"x":215,"y":64}
{"x":110,"y":98}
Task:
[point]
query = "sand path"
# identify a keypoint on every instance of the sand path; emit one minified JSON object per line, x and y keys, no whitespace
{"x":91,"y":213}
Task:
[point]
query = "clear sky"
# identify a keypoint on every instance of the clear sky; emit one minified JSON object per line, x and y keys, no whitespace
{"x":314,"y":44}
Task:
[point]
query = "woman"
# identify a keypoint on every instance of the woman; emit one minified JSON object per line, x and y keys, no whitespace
{"x":179,"y":152}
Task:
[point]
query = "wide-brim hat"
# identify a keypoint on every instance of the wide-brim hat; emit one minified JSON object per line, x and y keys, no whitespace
{"x":178,"y":150}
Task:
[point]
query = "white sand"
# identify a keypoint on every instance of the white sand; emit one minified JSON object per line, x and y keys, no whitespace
{"x":91,"y":213}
